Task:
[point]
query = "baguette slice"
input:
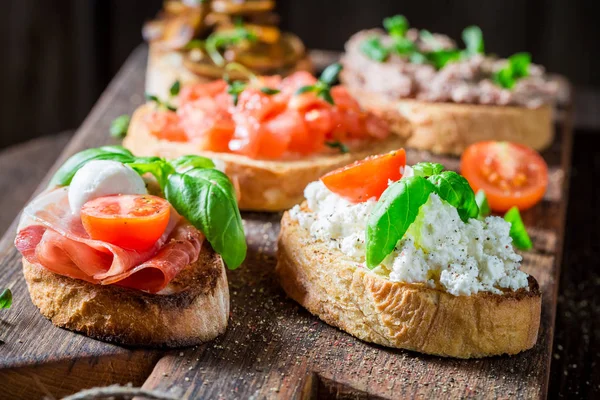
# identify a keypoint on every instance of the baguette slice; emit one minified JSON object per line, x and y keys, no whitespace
{"x":403,"y":315}
{"x":449,"y":128}
{"x":197,"y":312}
{"x":264,"y":185}
{"x":167,"y":66}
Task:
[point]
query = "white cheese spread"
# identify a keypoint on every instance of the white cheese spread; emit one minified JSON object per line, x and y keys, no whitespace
{"x":438,"y":249}
{"x":100,"y":178}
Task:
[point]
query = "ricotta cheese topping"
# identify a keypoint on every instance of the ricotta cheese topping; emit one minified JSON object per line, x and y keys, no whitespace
{"x":439,"y":249}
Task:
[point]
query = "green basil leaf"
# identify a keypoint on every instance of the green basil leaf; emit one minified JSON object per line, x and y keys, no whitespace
{"x":518,"y":232}
{"x":396,"y":25}
{"x":455,"y":189}
{"x":329,"y":76}
{"x":235,"y":88}
{"x":418,"y":58}
{"x":473,"y":38}
{"x":428,"y":38}
{"x":185,"y":163}
{"x":222,"y":39}
{"x":374,"y":49}
{"x":326,"y":95}
{"x":426,"y":169}
{"x":482,"y":203}
{"x":338,"y":145}
{"x":306,"y":89}
{"x":269,"y":91}
{"x":404,"y":46}
{"x":154,"y":98}
{"x":440,"y":58}
{"x":156,"y":166}
{"x":65,"y":173}
{"x":206,"y":198}
{"x":517,"y":67}
{"x":5,"y":298}
{"x":175,"y":88}
{"x":119,"y":126}
{"x":395,"y":211}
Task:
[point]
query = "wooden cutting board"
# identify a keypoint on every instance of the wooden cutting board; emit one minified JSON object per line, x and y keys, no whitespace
{"x":273,"y":347}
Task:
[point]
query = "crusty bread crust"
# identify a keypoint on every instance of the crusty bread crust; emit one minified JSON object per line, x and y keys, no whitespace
{"x":449,"y":128}
{"x":264,"y":185}
{"x":167,"y":66}
{"x":196,"y":313}
{"x":402,"y":315}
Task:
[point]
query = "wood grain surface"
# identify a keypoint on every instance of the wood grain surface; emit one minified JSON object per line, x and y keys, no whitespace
{"x":273,"y":348}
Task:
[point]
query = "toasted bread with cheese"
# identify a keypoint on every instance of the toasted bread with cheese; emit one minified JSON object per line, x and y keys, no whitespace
{"x":264,"y":185}
{"x":403,"y":315}
{"x":167,"y":66}
{"x":196,"y":311}
{"x":449,"y":128}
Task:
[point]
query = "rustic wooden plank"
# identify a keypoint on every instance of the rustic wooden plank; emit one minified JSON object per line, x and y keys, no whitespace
{"x":274,"y":348}
{"x":64,"y":362}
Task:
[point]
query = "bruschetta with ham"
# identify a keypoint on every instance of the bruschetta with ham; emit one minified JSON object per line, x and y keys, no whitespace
{"x":131,"y":250}
{"x":272,"y":135}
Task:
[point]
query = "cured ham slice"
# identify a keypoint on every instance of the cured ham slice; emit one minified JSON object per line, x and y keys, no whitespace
{"x":51,"y":237}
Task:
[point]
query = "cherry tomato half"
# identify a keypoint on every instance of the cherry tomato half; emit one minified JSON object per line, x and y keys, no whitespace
{"x":133,"y":222}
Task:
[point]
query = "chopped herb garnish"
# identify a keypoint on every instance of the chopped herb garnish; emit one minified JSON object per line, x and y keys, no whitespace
{"x":235,"y":88}
{"x":473,"y":38}
{"x":518,"y":232}
{"x":374,"y":49}
{"x":338,"y":145}
{"x":219,"y":40}
{"x":175,"y":88}
{"x":194,"y":44}
{"x":269,"y":91}
{"x":160,"y":103}
{"x":397,"y":26}
{"x":119,"y":126}
{"x":5,"y":298}
{"x":322,"y":88}
{"x":516,"y":68}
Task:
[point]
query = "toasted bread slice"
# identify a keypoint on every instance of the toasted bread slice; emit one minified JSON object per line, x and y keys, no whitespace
{"x":264,"y":185}
{"x":449,"y":128}
{"x":167,"y":66}
{"x":196,"y":312}
{"x":403,"y":315}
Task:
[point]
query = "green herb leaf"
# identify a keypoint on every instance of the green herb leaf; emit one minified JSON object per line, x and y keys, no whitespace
{"x":418,"y":58}
{"x":338,"y":145}
{"x":395,"y":211}
{"x":473,"y":38}
{"x":426,"y":169}
{"x":306,"y":89}
{"x":329,"y":76}
{"x":65,"y":173}
{"x":482,"y":203}
{"x":206,"y":198}
{"x":404,"y":46}
{"x":430,"y":39}
{"x":440,"y":58}
{"x":175,"y":88}
{"x":156,"y":166}
{"x":194,"y":44}
{"x":269,"y":91}
{"x":517,"y":67}
{"x":159,"y":102}
{"x":396,"y":25}
{"x":119,"y":126}
{"x":455,"y":189}
{"x":374,"y":49}
{"x":518,"y":232}
{"x":5,"y":298}
{"x":235,"y":88}
{"x":219,"y":40}
{"x":326,"y":95}
{"x":185,"y":163}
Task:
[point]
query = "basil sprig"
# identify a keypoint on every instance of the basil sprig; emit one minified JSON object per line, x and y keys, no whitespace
{"x":400,"y":203}
{"x":482,"y":203}
{"x":201,"y":194}
{"x":322,"y":88}
{"x":518,"y":232}
{"x":220,"y":40}
{"x":517,"y":67}
{"x":119,"y":126}
{"x":5,"y":298}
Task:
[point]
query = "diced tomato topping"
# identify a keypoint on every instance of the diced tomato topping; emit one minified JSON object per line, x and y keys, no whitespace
{"x":267,"y":125}
{"x":368,"y":178}
{"x":165,"y":124}
{"x":133,"y":222}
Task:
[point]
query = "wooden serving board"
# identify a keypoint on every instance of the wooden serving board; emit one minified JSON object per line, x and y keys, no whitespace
{"x":273,"y":347}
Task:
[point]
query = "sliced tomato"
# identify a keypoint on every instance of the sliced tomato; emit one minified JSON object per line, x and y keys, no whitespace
{"x":292,"y":125}
{"x":133,"y":222}
{"x":207,"y":124}
{"x":368,"y":178}
{"x":343,"y":100}
{"x":510,"y":174}
{"x":164,"y":124}
{"x":258,"y":105}
{"x":290,"y":84}
{"x":190,"y":93}
{"x":376,"y":127}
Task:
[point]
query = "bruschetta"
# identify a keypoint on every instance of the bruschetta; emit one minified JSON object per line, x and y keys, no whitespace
{"x":442,"y":98}
{"x":132,"y":250}
{"x":402,"y":257}
{"x":192,"y":41}
{"x":272,"y":135}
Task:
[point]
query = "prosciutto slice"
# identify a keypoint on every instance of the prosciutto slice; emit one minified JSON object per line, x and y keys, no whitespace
{"x":51,"y":237}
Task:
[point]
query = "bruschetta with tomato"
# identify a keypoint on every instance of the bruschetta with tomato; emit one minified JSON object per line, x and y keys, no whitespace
{"x":191,"y":41}
{"x":441,"y":96}
{"x":405,"y":257}
{"x":132,"y":250}
{"x":272,"y":135}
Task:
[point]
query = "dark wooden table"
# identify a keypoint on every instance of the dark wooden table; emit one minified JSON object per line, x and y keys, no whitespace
{"x":574,"y":373}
